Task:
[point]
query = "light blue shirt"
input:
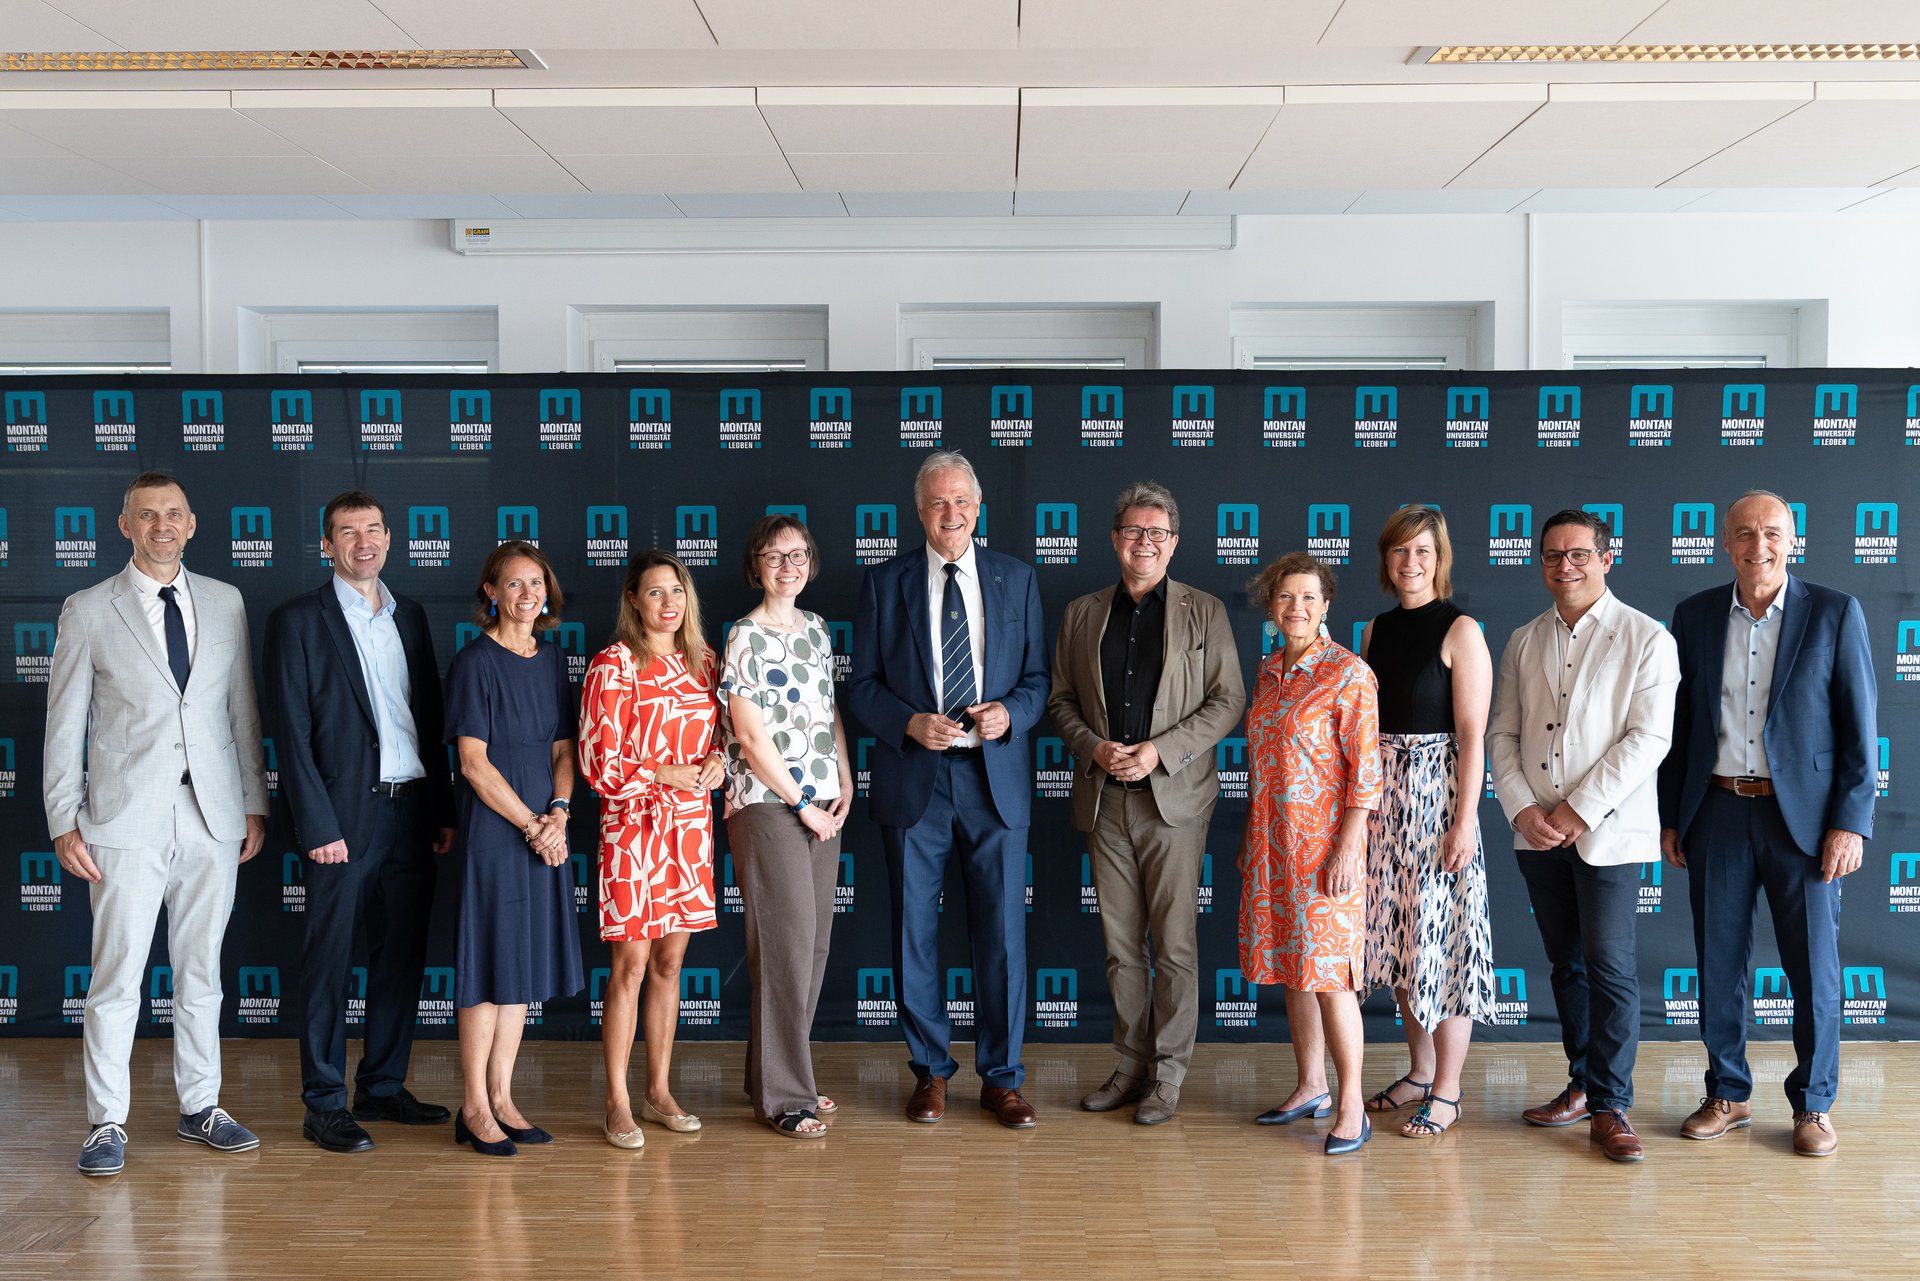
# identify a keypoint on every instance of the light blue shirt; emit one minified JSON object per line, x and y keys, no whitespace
{"x":383,"y":665}
{"x":1746,"y":688}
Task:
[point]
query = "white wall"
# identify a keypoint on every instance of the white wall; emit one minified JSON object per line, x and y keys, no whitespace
{"x":1863,"y":267}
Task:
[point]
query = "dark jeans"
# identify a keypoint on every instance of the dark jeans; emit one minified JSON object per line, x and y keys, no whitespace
{"x":1587,"y":926}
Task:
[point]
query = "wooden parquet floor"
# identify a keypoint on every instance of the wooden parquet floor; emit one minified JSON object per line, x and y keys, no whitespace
{"x":1209,"y":1196}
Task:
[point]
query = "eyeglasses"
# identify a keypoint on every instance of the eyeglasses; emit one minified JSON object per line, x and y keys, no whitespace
{"x":1573,"y":555}
{"x":1152,"y":533}
{"x":774,"y":560}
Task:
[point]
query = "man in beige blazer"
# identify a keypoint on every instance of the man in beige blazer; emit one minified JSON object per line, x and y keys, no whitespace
{"x":1146,"y":680}
{"x":1580,"y":726}
{"x":154,"y":795}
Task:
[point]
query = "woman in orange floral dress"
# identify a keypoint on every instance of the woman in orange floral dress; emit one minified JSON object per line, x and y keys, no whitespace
{"x":1313,"y":737}
{"x":647,"y":718}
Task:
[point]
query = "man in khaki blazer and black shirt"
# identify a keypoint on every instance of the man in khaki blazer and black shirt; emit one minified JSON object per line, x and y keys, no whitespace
{"x":1146,"y":680}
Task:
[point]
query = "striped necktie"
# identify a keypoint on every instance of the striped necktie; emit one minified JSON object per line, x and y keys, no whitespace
{"x":956,"y":649}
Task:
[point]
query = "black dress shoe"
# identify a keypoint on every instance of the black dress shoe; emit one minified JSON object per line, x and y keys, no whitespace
{"x":399,"y":1106}
{"x":335,"y":1131}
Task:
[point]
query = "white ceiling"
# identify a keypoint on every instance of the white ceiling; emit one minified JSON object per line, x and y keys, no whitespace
{"x":726,"y":108}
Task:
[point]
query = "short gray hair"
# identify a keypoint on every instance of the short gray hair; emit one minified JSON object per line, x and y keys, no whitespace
{"x":943,"y":460}
{"x":1147,"y":493}
{"x":1767,"y":493}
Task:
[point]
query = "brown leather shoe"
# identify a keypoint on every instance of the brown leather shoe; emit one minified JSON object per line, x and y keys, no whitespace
{"x":1568,"y":1106}
{"x":1614,"y":1133}
{"x":929,"y":1101}
{"x":1714,"y":1117}
{"x":1008,"y":1108}
{"x":1813,"y":1134}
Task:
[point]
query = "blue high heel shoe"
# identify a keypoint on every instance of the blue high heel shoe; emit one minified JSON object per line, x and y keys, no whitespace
{"x":461,"y":1134}
{"x":1337,"y":1146}
{"x":532,"y":1134}
{"x":1315,"y":1107}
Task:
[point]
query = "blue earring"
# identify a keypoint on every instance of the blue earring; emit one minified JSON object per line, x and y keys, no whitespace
{"x":1270,"y":627}
{"x":493,"y":609}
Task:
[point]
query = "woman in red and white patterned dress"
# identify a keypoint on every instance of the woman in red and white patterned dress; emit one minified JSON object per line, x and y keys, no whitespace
{"x":647,"y":718}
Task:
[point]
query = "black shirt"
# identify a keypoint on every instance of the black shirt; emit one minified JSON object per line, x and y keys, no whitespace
{"x":1132,"y":652}
{"x":1416,"y":688}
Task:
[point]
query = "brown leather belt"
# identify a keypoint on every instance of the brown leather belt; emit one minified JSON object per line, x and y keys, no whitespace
{"x":1744,"y":786}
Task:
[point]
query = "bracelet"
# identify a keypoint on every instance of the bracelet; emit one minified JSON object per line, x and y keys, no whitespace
{"x":560,"y":803}
{"x":801,"y":804}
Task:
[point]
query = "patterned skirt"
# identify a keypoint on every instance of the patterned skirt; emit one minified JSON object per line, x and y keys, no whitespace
{"x":1427,"y":929}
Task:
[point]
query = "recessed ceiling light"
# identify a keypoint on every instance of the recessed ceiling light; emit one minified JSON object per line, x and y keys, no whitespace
{"x":1459,"y":54}
{"x":277,"y":60}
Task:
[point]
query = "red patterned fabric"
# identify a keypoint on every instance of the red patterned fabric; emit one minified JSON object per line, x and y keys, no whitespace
{"x":1313,"y":740}
{"x":656,"y":842}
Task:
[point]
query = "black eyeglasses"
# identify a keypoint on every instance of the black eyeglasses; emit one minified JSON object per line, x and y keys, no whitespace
{"x":1573,"y":555}
{"x":774,"y":560}
{"x":1152,"y":533}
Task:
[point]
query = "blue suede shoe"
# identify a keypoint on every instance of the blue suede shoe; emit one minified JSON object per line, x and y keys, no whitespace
{"x":104,"y":1152}
{"x":1337,"y":1146}
{"x":213,"y":1127}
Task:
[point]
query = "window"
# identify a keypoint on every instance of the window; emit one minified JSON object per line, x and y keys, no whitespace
{"x":1308,"y":337}
{"x":946,"y":337}
{"x":371,"y":342}
{"x":1607,"y":335}
{"x":85,"y":342}
{"x":691,"y":340}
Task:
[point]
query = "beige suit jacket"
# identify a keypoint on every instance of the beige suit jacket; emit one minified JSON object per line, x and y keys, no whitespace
{"x":1199,"y":701}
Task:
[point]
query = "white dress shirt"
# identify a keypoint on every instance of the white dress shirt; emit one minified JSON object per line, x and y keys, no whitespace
{"x":969,"y":580}
{"x":156,"y":609}
{"x":383,"y":666}
{"x":1746,"y":687}
{"x":1571,"y":645}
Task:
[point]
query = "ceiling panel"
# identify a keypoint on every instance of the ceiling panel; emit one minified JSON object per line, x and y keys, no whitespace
{"x":67,"y":176}
{"x":631,"y":122}
{"x":1074,"y":204}
{"x":864,"y":24}
{"x":1610,"y":200}
{"x":412,"y":208}
{"x":663,"y":175}
{"x":88,"y":209}
{"x":142,"y":123}
{"x":893,"y":120}
{"x":238,"y":175}
{"x":1779,"y":200}
{"x":271,"y":208}
{"x":1422,"y":22}
{"x":1268,"y":202}
{"x":1777,"y":22}
{"x":1156,"y":24}
{"x":1348,"y":137}
{"x":34,"y":26}
{"x":1850,"y":135}
{"x":351,"y":124}
{"x":928,"y":204}
{"x":460,"y":175}
{"x":798,"y":204}
{"x":1439,"y":202}
{"x":901,"y":171}
{"x":1629,"y":135}
{"x":552,"y":24}
{"x":239,"y":24}
{"x":14,"y":142}
{"x":540,"y":206}
{"x":1139,"y":139}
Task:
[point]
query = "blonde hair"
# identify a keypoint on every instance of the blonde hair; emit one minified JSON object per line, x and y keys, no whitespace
{"x":1408,"y":524}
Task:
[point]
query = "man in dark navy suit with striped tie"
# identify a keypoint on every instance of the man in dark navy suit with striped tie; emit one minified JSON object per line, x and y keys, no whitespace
{"x":950,"y":676}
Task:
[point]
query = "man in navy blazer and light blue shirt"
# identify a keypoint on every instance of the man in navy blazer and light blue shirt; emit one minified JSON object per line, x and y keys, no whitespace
{"x":354,"y":701}
{"x":950,"y":676}
{"x":1769,"y":785}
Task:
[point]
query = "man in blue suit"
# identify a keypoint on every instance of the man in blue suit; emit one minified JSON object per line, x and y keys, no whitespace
{"x":1769,"y":786}
{"x":950,"y":675}
{"x":353,"y":694}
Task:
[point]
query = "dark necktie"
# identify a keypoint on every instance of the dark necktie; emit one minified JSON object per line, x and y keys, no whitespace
{"x":176,"y":628}
{"x":956,"y":648}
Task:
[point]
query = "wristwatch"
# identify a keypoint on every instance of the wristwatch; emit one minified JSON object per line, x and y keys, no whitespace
{"x":559,"y":804}
{"x":801,"y":804}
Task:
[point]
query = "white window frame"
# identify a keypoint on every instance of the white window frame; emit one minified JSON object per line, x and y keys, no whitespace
{"x":760,"y":338}
{"x":285,"y":342}
{"x":1345,"y":336}
{"x":1679,"y":335}
{"x":39,"y":342}
{"x":1029,"y":337}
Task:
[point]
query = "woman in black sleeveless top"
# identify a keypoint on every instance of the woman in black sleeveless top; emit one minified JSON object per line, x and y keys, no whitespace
{"x":1428,"y":936}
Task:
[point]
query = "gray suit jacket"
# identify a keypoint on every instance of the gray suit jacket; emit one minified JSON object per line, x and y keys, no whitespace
{"x":1199,"y":701}
{"x":119,"y":732}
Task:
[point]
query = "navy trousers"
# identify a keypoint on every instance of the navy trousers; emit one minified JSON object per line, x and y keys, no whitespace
{"x":961,"y":821}
{"x":386,"y":886}
{"x":1738,"y":846}
{"x":1587,"y":927}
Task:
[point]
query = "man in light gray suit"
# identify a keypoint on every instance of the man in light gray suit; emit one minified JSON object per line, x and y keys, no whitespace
{"x":1146,"y":680}
{"x":155,"y":795}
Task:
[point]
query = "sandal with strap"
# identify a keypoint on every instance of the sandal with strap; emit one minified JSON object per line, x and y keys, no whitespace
{"x":1385,"y":1102}
{"x":789,"y":1123}
{"x":1421,"y":1124}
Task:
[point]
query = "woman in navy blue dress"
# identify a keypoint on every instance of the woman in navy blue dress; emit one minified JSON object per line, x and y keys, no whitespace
{"x":510,"y":716}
